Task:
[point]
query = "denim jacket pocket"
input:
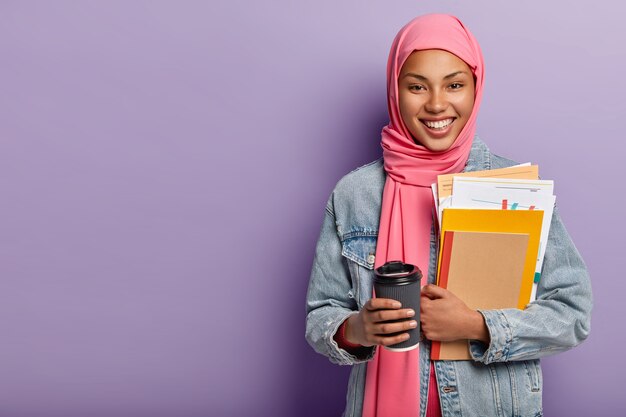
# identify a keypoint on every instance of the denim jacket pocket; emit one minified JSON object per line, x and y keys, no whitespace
{"x":359,"y":249}
{"x":533,"y":371}
{"x":516,"y":388}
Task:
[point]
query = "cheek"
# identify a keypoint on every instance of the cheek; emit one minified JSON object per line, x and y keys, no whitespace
{"x":409,"y":107}
{"x":405,"y":110}
{"x":463,"y":107}
{"x":467,"y":104}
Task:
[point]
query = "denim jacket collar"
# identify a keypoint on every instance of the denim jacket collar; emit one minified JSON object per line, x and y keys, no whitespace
{"x":479,"y":158}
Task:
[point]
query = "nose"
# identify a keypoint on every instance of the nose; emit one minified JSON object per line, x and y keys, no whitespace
{"x":436,"y":102}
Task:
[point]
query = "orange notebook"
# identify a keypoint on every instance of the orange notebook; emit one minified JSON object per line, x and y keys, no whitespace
{"x":487,"y":258}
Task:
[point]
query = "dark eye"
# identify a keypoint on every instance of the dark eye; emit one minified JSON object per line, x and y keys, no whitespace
{"x":456,"y":86}
{"x":416,"y":87}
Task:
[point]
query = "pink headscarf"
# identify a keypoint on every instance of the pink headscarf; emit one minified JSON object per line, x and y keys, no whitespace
{"x":392,"y":386}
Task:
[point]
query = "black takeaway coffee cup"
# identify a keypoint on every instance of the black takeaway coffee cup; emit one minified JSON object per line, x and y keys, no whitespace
{"x":401,"y":282}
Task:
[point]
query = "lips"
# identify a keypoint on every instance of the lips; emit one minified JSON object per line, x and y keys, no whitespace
{"x":437,"y":124}
{"x":438,"y":129}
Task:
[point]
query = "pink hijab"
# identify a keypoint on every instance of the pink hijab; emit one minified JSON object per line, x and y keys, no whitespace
{"x":392,"y":385}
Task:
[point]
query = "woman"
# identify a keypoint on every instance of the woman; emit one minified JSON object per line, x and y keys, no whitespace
{"x":383,"y":211}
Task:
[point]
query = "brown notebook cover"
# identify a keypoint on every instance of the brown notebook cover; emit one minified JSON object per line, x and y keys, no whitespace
{"x":485,"y":270}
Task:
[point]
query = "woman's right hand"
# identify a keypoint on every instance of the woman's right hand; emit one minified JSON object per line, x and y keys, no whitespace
{"x":371,"y":325}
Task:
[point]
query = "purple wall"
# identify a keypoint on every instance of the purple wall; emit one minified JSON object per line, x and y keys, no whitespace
{"x":163,"y":172}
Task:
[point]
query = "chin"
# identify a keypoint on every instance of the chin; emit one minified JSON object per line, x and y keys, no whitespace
{"x":440,"y":145}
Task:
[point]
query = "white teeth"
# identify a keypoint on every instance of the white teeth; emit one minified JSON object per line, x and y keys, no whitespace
{"x":439,"y":124}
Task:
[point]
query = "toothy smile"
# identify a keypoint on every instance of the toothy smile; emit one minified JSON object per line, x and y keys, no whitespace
{"x":438,"y":124}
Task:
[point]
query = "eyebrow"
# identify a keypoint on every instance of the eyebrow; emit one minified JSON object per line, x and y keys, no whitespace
{"x":421,"y":77}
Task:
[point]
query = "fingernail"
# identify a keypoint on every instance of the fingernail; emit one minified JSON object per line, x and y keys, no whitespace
{"x":410,"y":313}
{"x":396,"y":304}
{"x":413,"y":324}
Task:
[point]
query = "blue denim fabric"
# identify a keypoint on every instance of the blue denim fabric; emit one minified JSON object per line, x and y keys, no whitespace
{"x":504,"y":378}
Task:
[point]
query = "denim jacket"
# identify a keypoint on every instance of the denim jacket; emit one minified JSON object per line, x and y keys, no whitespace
{"x":504,"y":378}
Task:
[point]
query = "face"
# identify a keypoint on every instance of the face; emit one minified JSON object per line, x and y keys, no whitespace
{"x":436,"y":97}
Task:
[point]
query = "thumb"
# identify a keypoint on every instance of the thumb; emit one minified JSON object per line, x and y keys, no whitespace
{"x":433,"y":291}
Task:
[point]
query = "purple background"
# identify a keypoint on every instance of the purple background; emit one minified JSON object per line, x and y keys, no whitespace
{"x":164,"y":167}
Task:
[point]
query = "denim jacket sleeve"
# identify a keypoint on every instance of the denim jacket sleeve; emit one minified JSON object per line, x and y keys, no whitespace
{"x":557,"y":320}
{"x":330,"y":296}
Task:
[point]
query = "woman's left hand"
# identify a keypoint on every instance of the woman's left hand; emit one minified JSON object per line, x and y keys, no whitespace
{"x":445,"y":317}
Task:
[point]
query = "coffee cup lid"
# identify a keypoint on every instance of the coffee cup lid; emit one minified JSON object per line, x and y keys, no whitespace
{"x":397,"y":269}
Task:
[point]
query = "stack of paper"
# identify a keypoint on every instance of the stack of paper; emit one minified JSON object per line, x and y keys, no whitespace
{"x":494,"y":225}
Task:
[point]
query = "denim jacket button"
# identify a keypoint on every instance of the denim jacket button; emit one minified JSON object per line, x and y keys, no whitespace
{"x":370,"y":259}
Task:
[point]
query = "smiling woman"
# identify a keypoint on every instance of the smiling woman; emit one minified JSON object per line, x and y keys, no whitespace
{"x":382,"y":212}
{"x":436,"y":97}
